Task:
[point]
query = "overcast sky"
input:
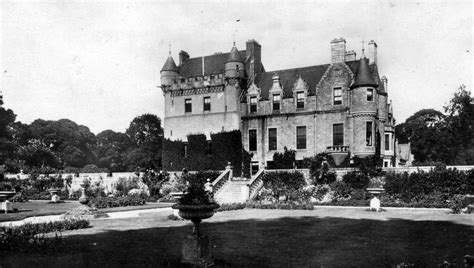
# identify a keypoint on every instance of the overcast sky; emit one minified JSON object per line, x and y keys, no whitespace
{"x":98,"y":64}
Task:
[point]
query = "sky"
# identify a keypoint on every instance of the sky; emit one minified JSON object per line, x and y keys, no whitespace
{"x":98,"y":62}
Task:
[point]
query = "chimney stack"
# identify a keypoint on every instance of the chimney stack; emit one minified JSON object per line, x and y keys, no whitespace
{"x":183,"y":56}
{"x":338,"y":50}
{"x":254,"y":54}
{"x":372,"y":52}
{"x":350,"y":55}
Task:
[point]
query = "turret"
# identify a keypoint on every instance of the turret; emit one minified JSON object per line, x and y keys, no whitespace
{"x":234,"y":66}
{"x":169,"y":72}
{"x":364,"y":107}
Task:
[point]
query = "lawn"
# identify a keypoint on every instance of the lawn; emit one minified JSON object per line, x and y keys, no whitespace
{"x":329,"y":237}
{"x":43,"y":208}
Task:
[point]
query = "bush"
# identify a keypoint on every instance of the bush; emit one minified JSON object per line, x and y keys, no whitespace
{"x":341,"y":190}
{"x":356,"y":179}
{"x":281,"y":205}
{"x":231,"y":206}
{"x":285,"y":160}
{"x":124,"y":185}
{"x":283,"y":183}
{"x":120,"y":201}
{"x":30,"y":236}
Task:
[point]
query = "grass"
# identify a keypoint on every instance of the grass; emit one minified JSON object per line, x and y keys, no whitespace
{"x":44,"y":207}
{"x":329,"y":237}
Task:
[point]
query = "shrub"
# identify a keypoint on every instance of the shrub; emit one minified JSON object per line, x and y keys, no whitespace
{"x":124,"y":185}
{"x":281,"y":205}
{"x":341,"y":190}
{"x":319,"y":168}
{"x":283,"y":183}
{"x":458,"y":203}
{"x":285,"y":160}
{"x":120,"y":201}
{"x":356,"y":179}
{"x":231,"y":206}
{"x":30,"y":236}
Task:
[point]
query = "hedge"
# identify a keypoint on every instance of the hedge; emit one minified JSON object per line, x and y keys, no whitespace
{"x":224,"y":147}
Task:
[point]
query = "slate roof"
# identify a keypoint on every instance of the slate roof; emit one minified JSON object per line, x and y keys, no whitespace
{"x":234,"y":55}
{"x":214,"y":64}
{"x":169,"y":65}
{"x":364,"y":76}
{"x":311,"y":75}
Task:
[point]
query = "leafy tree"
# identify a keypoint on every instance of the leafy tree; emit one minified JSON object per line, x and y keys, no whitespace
{"x":111,"y":149}
{"x":37,"y":154}
{"x":71,"y":141}
{"x":147,"y":134}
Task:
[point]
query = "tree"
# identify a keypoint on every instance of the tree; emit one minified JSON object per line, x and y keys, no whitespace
{"x":147,"y":134}
{"x":71,"y":141}
{"x":111,"y":149}
{"x":460,"y":126}
{"x":425,"y":130}
{"x":38,"y":154}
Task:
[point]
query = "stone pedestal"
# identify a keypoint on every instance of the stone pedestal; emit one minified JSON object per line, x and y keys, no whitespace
{"x":375,"y":204}
{"x":196,"y":250}
{"x":55,"y":198}
{"x":7,"y":206}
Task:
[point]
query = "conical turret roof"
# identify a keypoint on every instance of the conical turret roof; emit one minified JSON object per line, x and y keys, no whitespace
{"x":170,"y":65}
{"x":364,"y":76}
{"x":234,"y":55}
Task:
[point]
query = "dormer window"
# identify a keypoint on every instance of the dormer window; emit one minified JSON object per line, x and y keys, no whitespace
{"x":337,"y":96}
{"x":276,"y":102}
{"x":300,"y":99}
{"x":253,"y":104}
{"x":370,"y":94}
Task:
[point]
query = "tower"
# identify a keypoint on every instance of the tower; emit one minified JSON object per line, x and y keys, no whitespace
{"x":169,"y":73}
{"x":364,"y":109}
{"x":234,"y":66}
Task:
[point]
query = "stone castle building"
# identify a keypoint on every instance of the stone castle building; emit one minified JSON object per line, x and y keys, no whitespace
{"x":340,"y":107}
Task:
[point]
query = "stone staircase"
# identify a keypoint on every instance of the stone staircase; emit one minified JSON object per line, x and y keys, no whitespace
{"x":233,"y":191}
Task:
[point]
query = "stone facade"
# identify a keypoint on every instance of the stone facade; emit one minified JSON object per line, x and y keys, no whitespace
{"x":340,"y":107}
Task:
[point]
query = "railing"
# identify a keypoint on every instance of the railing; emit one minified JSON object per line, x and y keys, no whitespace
{"x":255,"y":184}
{"x":218,"y":183}
{"x":337,"y":149}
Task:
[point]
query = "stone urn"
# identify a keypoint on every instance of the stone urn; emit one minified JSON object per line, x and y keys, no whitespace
{"x":6,"y":205}
{"x":196,"y":247}
{"x":54,"y":195}
{"x":84,"y":199}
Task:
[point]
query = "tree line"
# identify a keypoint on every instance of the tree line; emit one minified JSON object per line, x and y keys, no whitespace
{"x":52,"y":145}
{"x":438,"y":137}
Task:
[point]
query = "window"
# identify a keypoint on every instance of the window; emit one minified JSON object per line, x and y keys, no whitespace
{"x":300,"y":99}
{"x":207,"y":103}
{"x":185,"y":150}
{"x":338,"y":134}
{"x":300,"y":137}
{"x":387,"y":142}
{"x":368,"y":134}
{"x":188,"y":106}
{"x":337,"y":96}
{"x":253,"y":104}
{"x":253,"y":140}
{"x":272,"y":139}
{"x":212,"y":77}
{"x":276,"y":102}
{"x":183,"y":80}
{"x":370,"y":94}
{"x":191,"y":79}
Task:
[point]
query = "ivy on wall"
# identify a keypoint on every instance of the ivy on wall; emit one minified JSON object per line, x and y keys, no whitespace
{"x":199,"y":154}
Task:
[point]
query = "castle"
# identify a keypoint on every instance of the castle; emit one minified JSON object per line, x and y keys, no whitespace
{"x":340,"y":107}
